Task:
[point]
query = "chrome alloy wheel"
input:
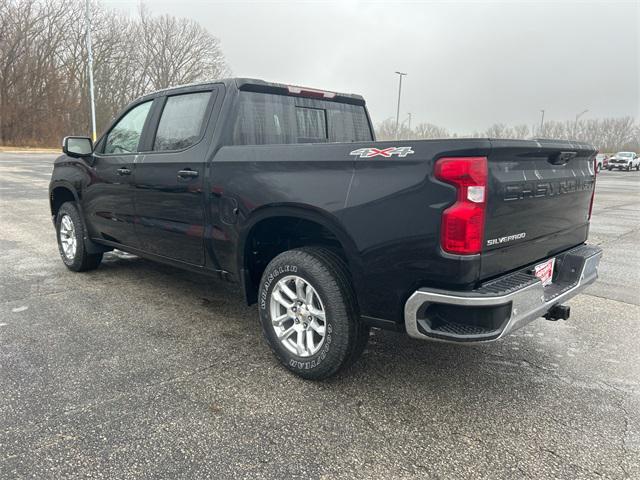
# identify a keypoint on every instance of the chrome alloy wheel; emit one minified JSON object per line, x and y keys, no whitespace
{"x":68,"y":237}
{"x":298,"y":316}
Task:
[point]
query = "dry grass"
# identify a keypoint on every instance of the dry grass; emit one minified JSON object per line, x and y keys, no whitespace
{"x":10,"y":149}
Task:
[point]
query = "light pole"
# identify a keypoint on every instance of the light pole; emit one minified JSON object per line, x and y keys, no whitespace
{"x":541,"y":121}
{"x":90,"y":57}
{"x":575,"y":124}
{"x":408,"y":122}
{"x":400,"y":75}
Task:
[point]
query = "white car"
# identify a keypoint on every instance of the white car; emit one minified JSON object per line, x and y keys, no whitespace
{"x":624,"y":161}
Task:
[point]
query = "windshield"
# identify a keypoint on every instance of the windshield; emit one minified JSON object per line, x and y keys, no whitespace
{"x":624,"y":154}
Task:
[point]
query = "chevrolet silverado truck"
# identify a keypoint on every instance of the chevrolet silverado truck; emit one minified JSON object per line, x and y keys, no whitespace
{"x":284,"y":191}
{"x":624,"y":161}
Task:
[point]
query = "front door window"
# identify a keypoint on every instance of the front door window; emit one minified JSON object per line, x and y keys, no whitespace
{"x":124,"y":137}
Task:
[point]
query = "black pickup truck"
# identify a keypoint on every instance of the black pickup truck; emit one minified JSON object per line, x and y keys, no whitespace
{"x":284,"y":191}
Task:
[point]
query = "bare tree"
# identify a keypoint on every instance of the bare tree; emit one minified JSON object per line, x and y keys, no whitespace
{"x":43,"y":65}
{"x":429,"y":130}
{"x":521,"y":131}
{"x":386,"y":129}
{"x":608,"y":135}
{"x":179,"y":51}
{"x":499,"y":130}
{"x":43,"y":75}
{"x":29,"y":81}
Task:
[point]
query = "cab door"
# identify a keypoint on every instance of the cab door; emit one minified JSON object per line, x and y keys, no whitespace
{"x":108,"y":200}
{"x":169,"y":178}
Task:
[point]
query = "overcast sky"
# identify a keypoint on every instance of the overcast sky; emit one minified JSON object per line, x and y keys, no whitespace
{"x":469,"y":64}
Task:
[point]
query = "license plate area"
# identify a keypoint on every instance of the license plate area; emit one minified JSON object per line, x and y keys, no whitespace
{"x":544,"y":271}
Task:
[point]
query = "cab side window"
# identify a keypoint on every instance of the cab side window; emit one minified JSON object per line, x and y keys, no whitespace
{"x":181,"y":121}
{"x":125,"y":135}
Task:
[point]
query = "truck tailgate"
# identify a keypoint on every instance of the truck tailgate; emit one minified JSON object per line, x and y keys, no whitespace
{"x":539,"y":198}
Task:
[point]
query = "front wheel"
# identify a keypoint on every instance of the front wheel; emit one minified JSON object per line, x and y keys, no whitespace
{"x":70,"y":233}
{"x":309,"y":314}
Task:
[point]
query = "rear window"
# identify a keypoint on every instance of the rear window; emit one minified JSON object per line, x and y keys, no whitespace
{"x":276,"y":119}
{"x":311,"y":124}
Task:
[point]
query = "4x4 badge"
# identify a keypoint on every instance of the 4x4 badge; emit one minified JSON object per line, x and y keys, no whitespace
{"x":384,"y":152}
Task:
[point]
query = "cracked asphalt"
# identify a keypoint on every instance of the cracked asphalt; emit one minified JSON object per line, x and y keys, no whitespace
{"x":139,"y":370}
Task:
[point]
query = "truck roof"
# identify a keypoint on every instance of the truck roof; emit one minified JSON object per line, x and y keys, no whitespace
{"x":262,"y":86}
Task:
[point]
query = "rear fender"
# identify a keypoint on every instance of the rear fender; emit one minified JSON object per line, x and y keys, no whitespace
{"x":305,"y":212}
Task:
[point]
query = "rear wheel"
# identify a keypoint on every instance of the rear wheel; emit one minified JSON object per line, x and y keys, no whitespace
{"x":308,"y":312}
{"x":70,"y":232}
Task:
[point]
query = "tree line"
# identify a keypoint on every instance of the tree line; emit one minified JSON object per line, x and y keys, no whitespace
{"x":44,"y":91}
{"x":606,"y":134}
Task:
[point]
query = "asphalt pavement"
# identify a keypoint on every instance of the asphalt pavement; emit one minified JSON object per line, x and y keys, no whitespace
{"x":139,"y":370}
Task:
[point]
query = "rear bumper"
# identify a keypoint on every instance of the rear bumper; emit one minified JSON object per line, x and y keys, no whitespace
{"x":499,"y":306}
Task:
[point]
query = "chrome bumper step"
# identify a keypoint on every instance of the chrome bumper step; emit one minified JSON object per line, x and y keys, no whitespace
{"x":499,"y":306}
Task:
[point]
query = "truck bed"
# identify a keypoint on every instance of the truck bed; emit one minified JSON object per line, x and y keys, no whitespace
{"x":386,"y":211}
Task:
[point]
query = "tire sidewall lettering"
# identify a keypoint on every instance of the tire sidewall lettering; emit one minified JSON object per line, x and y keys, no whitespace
{"x":318,"y":358}
{"x":322,"y":271}
{"x":273,"y":275}
{"x":265,"y":291}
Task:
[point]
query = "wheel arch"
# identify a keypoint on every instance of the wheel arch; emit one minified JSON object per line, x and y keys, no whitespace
{"x":313,"y":220}
{"x":59,"y":193}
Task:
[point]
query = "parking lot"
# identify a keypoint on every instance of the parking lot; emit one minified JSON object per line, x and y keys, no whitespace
{"x":139,"y":370}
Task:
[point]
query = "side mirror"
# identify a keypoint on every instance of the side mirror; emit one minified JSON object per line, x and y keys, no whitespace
{"x":77,"y":146}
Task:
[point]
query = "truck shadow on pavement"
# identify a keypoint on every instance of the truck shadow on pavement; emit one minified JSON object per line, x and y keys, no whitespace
{"x":216,"y":309}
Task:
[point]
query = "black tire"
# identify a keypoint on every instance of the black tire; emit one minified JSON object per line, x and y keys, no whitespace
{"x":80,"y":261}
{"x":345,"y":336}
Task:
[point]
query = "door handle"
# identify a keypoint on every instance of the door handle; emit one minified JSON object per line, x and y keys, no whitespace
{"x":124,"y":171}
{"x":187,"y":173}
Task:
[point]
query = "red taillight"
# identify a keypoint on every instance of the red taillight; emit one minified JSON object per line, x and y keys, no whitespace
{"x":462,"y":228}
